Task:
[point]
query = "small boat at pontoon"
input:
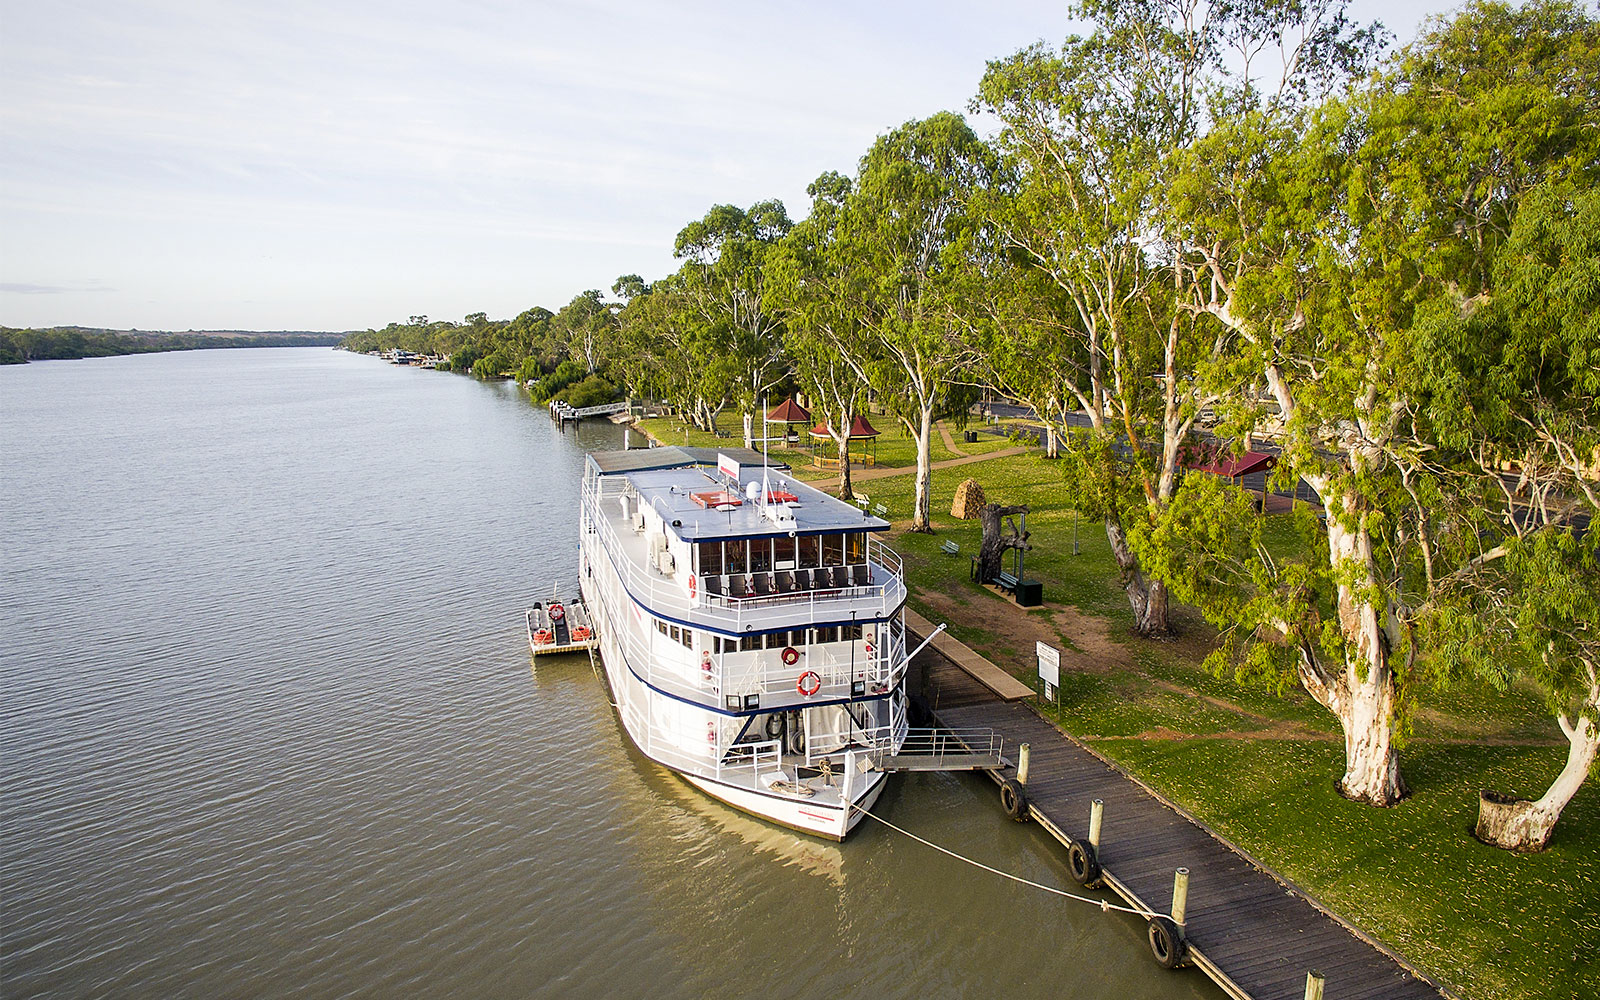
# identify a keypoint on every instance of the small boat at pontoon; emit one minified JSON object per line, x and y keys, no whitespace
{"x":560,"y":627}
{"x":751,"y":628}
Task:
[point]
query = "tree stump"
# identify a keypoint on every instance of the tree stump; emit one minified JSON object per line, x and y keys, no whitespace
{"x":996,"y":541}
{"x":968,"y":502}
{"x":1512,"y":823}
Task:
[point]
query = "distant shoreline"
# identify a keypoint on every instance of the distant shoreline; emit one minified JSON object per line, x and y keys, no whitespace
{"x":70,"y":343}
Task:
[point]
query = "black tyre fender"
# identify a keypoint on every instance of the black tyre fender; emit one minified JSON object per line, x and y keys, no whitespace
{"x":1166,"y":942}
{"x":1083,"y":863}
{"x":1014,"y":800}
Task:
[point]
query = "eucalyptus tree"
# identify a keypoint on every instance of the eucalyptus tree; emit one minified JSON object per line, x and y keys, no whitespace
{"x":588,"y":325}
{"x":821,"y":301}
{"x":905,"y":248}
{"x":1336,"y":245}
{"x":725,"y":276}
{"x":1089,"y":131}
{"x":668,"y":350}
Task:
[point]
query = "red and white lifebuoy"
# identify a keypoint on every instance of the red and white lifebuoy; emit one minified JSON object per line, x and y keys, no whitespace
{"x":691,"y":586}
{"x":557,"y":612}
{"x":791,"y":656}
{"x":705,"y":663}
{"x":808,"y":683}
{"x":869,"y":647}
{"x":711,"y":733}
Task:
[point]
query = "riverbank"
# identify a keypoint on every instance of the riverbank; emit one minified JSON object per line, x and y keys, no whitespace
{"x":1260,"y":769}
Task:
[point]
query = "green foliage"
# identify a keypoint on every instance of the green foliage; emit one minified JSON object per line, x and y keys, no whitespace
{"x":592,"y":391}
{"x":71,"y":342}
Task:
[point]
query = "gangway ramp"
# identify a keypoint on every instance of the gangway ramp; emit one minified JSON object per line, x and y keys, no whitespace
{"x":947,"y":750}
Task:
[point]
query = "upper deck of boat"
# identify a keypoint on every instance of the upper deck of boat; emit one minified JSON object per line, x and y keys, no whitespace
{"x":705,"y":502}
{"x":737,"y":549}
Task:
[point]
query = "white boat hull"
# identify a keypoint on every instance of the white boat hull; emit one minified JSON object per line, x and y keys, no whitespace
{"x":834,"y":822}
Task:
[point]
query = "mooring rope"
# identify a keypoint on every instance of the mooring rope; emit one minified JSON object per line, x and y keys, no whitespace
{"x":1105,"y":907}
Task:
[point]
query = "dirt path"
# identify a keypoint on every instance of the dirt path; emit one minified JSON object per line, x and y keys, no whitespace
{"x":949,"y":442}
{"x":906,"y":470}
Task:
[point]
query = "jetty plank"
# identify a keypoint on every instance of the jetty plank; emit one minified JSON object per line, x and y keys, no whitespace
{"x":1252,"y":932}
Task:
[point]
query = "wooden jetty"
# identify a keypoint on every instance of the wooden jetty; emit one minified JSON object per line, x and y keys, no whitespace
{"x":1257,"y":936}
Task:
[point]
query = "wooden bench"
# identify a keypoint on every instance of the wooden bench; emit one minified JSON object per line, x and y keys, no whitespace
{"x":950,"y":548}
{"x":1006,"y":581}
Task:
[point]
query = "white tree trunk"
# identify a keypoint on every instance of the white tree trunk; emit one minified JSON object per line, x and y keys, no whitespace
{"x":920,"y":520}
{"x":749,"y":434}
{"x":1147,"y":597}
{"x":1362,"y":694}
{"x":1520,"y":825}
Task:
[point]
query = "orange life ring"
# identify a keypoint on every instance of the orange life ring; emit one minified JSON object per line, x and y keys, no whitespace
{"x":691,"y":586}
{"x":791,"y":656}
{"x":557,"y":612}
{"x":809,"y":683}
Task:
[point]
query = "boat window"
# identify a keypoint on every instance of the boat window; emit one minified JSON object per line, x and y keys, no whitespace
{"x":829,"y":633}
{"x":833,"y":550}
{"x":748,"y":642}
{"x":783,"y":552}
{"x":676,"y":633}
{"x":855,"y":544}
{"x":797,"y":638}
{"x":777,"y":640}
{"x":709,"y":555}
{"x":688,"y":638}
{"x":760,"y":555}
{"x":852,"y":633}
{"x":661,"y":626}
{"x":734,"y":556}
{"x":810,"y":551}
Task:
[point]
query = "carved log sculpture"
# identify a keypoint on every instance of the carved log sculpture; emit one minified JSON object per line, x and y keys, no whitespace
{"x":995,"y":541}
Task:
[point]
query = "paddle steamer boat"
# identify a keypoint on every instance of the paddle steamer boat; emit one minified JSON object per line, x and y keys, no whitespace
{"x":751,"y":629}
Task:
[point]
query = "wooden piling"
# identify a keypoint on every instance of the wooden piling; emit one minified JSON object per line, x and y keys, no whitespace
{"x":1097,"y":812}
{"x":1180,"y":895}
{"x":1022,"y":765}
{"x":1314,"y":986}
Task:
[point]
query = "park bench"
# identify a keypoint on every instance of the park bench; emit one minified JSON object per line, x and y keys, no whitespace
{"x":880,"y":510}
{"x":950,"y":548}
{"x":1006,"y":581}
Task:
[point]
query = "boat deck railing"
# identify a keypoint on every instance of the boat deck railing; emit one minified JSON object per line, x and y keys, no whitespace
{"x":873,"y":589}
{"x":859,"y":668}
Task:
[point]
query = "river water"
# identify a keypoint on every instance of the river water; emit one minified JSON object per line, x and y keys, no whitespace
{"x":269,"y":728}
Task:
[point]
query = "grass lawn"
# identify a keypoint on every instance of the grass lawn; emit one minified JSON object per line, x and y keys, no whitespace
{"x":1259,"y":767}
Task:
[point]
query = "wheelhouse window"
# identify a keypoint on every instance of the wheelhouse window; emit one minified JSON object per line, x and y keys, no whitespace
{"x":709,"y":556}
{"x":833,"y":549}
{"x":810,"y":547}
{"x":734,"y":557}
{"x":783,"y":552}
{"x":760,"y":555}
{"x":855,"y":548}
{"x":829,"y":633}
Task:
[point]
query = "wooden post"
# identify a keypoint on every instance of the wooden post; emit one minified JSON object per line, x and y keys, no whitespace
{"x":1097,"y":811}
{"x":1180,"y":895}
{"x":1022,"y":765}
{"x":1313,"y":986}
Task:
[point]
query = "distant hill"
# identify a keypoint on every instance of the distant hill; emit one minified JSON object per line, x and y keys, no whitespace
{"x":67,"y":342}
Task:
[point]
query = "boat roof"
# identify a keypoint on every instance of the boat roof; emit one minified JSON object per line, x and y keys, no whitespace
{"x":668,"y":484}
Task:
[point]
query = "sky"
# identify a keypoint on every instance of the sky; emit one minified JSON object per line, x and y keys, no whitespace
{"x":341,"y":164}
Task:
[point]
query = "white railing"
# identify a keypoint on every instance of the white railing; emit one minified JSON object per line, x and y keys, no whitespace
{"x":668,"y":596}
{"x":755,"y":758}
{"x":681,"y":671}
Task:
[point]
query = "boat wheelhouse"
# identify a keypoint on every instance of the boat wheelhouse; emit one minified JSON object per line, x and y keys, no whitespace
{"x":751,"y":628}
